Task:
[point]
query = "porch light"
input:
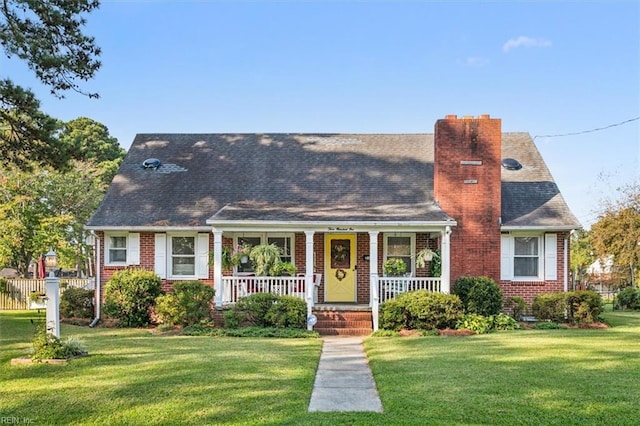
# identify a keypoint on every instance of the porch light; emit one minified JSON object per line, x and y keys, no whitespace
{"x":51,"y":261}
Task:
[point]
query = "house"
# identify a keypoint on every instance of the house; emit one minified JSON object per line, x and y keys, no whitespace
{"x":339,"y":205}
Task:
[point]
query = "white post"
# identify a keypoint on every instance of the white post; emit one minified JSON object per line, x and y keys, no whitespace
{"x":217,"y":267}
{"x":445,"y":253}
{"x":309,"y":274}
{"x":373,"y":277}
{"x":52,"y":292}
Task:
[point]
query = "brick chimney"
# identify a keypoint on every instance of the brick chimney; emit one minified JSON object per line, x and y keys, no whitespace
{"x":467,"y":185}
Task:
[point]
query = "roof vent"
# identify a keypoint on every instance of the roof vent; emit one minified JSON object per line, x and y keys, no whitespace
{"x":511,"y":164}
{"x":151,"y":163}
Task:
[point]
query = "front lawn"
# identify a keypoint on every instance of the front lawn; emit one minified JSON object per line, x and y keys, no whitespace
{"x":567,"y":376}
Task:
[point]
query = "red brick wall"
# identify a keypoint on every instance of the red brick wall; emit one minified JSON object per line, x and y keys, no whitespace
{"x":470,"y":193}
{"x":529,"y":289}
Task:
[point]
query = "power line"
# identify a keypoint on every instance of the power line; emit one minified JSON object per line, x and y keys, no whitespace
{"x":587,"y":131}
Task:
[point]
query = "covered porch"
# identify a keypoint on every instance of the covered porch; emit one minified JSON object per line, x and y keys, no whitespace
{"x":328,"y":275}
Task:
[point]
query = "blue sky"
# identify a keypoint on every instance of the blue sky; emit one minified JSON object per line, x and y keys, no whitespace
{"x":547,"y":68}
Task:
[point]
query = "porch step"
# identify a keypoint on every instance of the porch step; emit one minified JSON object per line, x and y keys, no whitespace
{"x":333,"y":322}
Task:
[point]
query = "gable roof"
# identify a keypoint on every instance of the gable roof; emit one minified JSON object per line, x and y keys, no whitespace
{"x":304,"y":177}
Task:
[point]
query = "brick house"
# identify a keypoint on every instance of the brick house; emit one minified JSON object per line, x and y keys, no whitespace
{"x":339,"y":205}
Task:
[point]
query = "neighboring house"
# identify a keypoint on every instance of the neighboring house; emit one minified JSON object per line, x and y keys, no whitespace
{"x":339,"y":205}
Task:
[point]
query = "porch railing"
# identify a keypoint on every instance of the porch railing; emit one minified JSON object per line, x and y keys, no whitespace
{"x":237,"y":287}
{"x":390,"y":287}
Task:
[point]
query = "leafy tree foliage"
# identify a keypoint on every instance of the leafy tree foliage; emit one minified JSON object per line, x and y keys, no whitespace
{"x":581,"y":254}
{"x":48,"y":37}
{"x":46,"y":208}
{"x":617,"y":231}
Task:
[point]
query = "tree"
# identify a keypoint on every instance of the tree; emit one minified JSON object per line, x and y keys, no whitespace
{"x":617,"y":231}
{"x":88,"y":140}
{"x":46,"y":208}
{"x":581,"y":254}
{"x":48,"y":36}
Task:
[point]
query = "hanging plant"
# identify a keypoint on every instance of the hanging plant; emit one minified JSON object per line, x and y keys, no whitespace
{"x":395,"y":267}
{"x":424,"y":256}
{"x":265,"y":259}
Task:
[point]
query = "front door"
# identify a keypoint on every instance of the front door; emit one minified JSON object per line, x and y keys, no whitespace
{"x":340,"y":261}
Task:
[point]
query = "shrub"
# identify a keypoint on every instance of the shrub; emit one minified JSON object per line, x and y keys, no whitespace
{"x":479,"y":295}
{"x":391,"y":315}
{"x":475,"y":322}
{"x":48,"y":346}
{"x":77,"y":303}
{"x":287,"y":312}
{"x":268,"y":310}
{"x":190,"y":303}
{"x":547,"y":326}
{"x":130,"y":294}
{"x":517,"y":306}
{"x":549,"y":307}
{"x":574,"y":306}
{"x":422,"y":310}
{"x":628,"y":298}
{"x":504,"y":322}
{"x":583,"y":307}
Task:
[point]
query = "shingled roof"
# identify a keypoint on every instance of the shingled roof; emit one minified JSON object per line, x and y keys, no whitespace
{"x":306,"y":177}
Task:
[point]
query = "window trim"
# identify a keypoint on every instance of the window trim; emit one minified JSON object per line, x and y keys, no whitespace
{"x":170,"y":255}
{"x":412,"y":237}
{"x":547,"y":256}
{"x":108,"y":248}
{"x":540,"y":256}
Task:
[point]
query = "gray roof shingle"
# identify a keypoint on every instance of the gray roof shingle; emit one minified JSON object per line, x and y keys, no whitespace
{"x":305,"y":177}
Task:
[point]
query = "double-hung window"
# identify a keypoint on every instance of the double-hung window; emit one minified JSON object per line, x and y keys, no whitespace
{"x":122,"y":249}
{"x":183,"y":256}
{"x":400,"y":246}
{"x":284,"y":241}
{"x":528,"y":257}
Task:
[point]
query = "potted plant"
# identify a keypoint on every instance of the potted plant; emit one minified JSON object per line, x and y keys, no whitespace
{"x":234,"y":257}
{"x":265,"y":259}
{"x":394,"y":267}
{"x":423,"y":256}
{"x":287,"y":269}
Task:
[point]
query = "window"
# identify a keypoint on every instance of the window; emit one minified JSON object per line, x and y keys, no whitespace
{"x":122,"y":249}
{"x":183,"y":256}
{"x":284,"y":241}
{"x":400,"y":246}
{"x":528,"y":257}
{"x":117,"y":249}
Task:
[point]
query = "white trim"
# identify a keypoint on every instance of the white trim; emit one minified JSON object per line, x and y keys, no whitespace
{"x":412,"y":248}
{"x":537,"y":228}
{"x":551,"y":257}
{"x":133,"y":248}
{"x":147,"y":228}
{"x":160,"y":255}
{"x":202,"y":255}
{"x":107,"y":248}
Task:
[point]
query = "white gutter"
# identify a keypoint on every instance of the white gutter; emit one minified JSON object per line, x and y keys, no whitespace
{"x":149,"y":228}
{"x":566,"y":264}
{"x":537,"y":228}
{"x":98,"y":278}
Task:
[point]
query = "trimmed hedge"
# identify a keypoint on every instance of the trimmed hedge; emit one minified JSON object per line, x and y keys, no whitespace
{"x":129,"y":296}
{"x":77,"y":303}
{"x":268,"y":310}
{"x":190,"y":303}
{"x":580,"y":307}
{"x":479,"y":295}
{"x":422,"y":310}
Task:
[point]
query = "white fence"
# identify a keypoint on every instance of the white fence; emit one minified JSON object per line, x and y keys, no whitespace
{"x":15,"y":292}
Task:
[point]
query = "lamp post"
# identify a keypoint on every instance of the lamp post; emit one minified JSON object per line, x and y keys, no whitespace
{"x":52,"y":292}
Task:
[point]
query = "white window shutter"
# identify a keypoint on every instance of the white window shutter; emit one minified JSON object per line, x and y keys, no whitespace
{"x":551,"y":257}
{"x":160,"y":255}
{"x":202,"y":256}
{"x":506,"y":257}
{"x":133,"y":248}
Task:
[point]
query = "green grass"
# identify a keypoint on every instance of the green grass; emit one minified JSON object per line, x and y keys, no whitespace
{"x":531,"y":377}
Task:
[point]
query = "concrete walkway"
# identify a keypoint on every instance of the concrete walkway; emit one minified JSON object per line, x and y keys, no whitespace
{"x":344,"y":381}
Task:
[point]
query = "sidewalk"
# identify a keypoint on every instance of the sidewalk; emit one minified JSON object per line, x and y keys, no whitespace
{"x":344,"y":381}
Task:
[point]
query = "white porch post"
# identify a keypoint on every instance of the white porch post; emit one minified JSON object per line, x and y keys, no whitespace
{"x":445,"y":252}
{"x":217,"y":267}
{"x":52,"y":292}
{"x":373,"y":277}
{"x":309,"y":274}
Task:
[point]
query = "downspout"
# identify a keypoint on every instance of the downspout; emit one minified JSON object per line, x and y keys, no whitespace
{"x":566,"y":263}
{"x":98,"y":279}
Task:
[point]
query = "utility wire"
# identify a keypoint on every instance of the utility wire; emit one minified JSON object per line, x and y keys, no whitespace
{"x":587,"y":131}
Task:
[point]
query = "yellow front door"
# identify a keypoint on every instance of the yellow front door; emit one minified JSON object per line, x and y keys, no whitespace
{"x":340,"y":261}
